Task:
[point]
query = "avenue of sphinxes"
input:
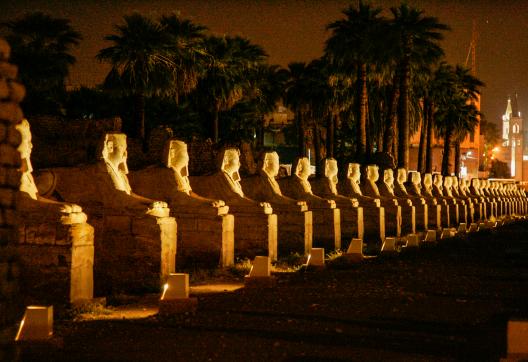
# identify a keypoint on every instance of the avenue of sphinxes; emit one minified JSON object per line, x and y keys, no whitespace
{"x":129,"y":229}
{"x":205,"y":227}
{"x":326,"y":216}
{"x":295,"y":220}
{"x":255,"y":222}
{"x":352,"y":220}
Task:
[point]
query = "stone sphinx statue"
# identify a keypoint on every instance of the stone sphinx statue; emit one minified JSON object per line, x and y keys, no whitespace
{"x":438,"y":192}
{"x":463,"y":211}
{"x":255,"y":222}
{"x":427,"y":192}
{"x":457,"y":192}
{"x":386,"y":190}
{"x":413,"y":187}
{"x":421,"y":207}
{"x":205,"y":229}
{"x":393,"y":211}
{"x":473,"y":191}
{"x":326,"y":217}
{"x":352,"y":220}
{"x":295,"y":229}
{"x":375,"y":221}
{"x":51,"y":232}
{"x":130,"y":229}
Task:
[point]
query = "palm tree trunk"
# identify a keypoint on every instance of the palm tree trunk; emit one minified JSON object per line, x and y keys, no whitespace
{"x":139,"y":115}
{"x":317,"y":149}
{"x":457,"y":157}
{"x":337,"y":124}
{"x":403,"y":116}
{"x":301,"y":145}
{"x":447,"y":151}
{"x":391,"y":120}
{"x":215,"y":125}
{"x":260,"y":135}
{"x":330,"y":136}
{"x":429,"y":141}
{"x":362,"y":113}
{"x":423,"y":134}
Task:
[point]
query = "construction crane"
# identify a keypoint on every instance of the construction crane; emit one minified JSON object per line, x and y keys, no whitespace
{"x":472,"y":50}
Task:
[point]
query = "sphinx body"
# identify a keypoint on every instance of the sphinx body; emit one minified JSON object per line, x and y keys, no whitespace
{"x":393,"y":211}
{"x":414,"y":189}
{"x":205,"y":228}
{"x":428,"y":194}
{"x":421,"y":207}
{"x":129,"y":229}
{"x":326,"y":217}
{"x":374,"y":217}
{"x":255,"y":222}
{"x":463,"y":208}
{"x":386,"y":190}
{"x":295,"y":221}
{"x":474,"y":192}
{"x":352,"y":217}
{"x":438,"y":192}
{"x":56,"y":244}
{"x":457,"y":193}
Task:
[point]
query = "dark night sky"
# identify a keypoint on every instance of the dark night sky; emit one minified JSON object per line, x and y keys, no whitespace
{"x":294,"y":30}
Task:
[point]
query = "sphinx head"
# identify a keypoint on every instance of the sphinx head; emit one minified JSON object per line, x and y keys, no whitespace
{"x":438,"y":180}
{"x":416,"y":178}
{"x":270,"y":163}
{"x":330,"y":169}
{"x":176,"y":156}
{"x":354,"y":172}
{"x":388,"y":176}
{"x":448,"y":182}
{"x":401,"y":175}
{"x":25,"y":146}
{"x":475,"y":183}
{"x":428,"y":180}
{"x":454,"y":179}
{"x":373,"y":173}
{"x":230,"y":160}
{"x":302,"y":168}
{"x":115,"y":150}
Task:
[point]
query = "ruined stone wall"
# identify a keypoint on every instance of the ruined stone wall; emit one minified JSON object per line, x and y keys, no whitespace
{"x":11,"y":93}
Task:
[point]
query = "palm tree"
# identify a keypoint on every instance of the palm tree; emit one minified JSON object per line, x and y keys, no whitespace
{"x":416,"y":33}
{"x":226,"y":78}
{"x":41,"y":47}
{"x":352,"y":47}
{"x":295,"y":97}
{"x":151,"y":58}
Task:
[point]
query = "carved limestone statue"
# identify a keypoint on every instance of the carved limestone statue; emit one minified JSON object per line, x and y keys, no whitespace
{"x":52,"y":231}
{"x":386,"y":189}
{"x":352,"y":220}
{"x":255,"y":221}
{"x":294,"y":219}
{"x":421,"y":207}
{"x":369,"y":188}
{"x":414,"y":189}
{"x":205,"y":229}
{"x":326,"y":217}
{"x":130,"y":229}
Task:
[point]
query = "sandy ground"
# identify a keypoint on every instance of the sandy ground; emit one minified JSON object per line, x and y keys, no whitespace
{"x":448,"y":302}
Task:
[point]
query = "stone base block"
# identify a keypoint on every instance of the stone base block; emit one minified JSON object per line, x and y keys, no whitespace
{"x":260,"y":282}
{"x":172,"y":307}
{"x":205,"y":241}
{"x":430,"y":236}
{"x":389,"y":246}
{"x":256,"y":234}
{"x":295,"y":232}
{"x":413,"y":241}
{"x":327,"y":228}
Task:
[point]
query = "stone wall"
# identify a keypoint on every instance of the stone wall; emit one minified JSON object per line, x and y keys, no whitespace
{"x":11,"y":93}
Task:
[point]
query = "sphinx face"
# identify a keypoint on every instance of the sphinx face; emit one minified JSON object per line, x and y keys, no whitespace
{"x":116,"y":149}
{"x":455,"y":181}
{"x":25,"y":146}
{"x":331,"y":169}
{"x":448,"y":182}
{"x":372,"y":173}
{"x":354,"y":172}
{"x":402,"y":175}
{"x":438,"y":180}
{"x":428,"y":180}
{"x":303,"y":168}
{"x":388,"y":177}
{"x":231,"y":163}
{"x":178,"y":156}
{"x":416,"y":178}
{"x":271,"y":163}
{"x":475,"y":183}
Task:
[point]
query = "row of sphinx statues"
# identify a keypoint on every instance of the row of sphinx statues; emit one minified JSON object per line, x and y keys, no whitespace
{"x":101,"y":229}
